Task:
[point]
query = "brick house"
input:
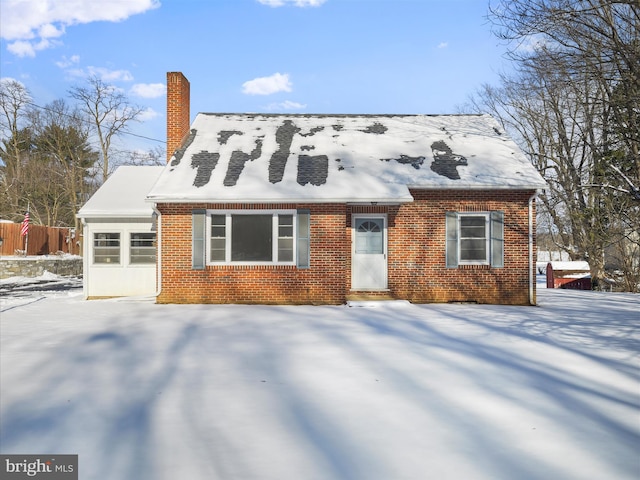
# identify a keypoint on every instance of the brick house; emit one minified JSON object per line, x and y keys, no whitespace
{"x":287,"y":209}
{"x":320,"y":209}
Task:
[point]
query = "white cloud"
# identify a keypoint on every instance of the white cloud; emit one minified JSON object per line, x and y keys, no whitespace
{"x":148,"y":114}
{"x":68,"y":62}
{"x":22,"y":49}
{"x":29,"y":49}
{"x":110,"y":75}
{"x":297,"y":3}
{"x":443,"y":45}
{"x":148,"y":90}
{"x":71,"y":66}
{"x":29,"y":25}
{"x":286,"y":105}
{"x":277,"y":82}
{"x":50,"y":31}
{"x":104,"y":74}
{"x":75,"y":72}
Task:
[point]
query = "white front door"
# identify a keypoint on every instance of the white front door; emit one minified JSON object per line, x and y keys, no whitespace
{"x":369,"y":255}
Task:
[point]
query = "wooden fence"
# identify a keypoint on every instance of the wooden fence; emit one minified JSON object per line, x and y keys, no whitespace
{"x":42,"y":240}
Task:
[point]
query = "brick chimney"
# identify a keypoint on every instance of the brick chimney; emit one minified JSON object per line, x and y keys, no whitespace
{"x":178,"y":117}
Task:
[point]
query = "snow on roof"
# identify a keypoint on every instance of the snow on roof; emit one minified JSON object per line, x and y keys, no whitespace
{"x":575,"y":266}
{"x":123,"y":194}
{"x":340,"y":158}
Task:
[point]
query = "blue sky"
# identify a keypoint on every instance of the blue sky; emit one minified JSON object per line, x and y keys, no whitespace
{"x":278,"y":56}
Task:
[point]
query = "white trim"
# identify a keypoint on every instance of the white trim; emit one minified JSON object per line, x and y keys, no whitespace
{"x":120,"y":263}
{"x":392,"y":200}
{"x":475,"y":186}
{"x":158,"y":251}
{"x":136,"y":214}
{"x":85,"y":257}
{"x":385,"y":249}
{"x":129,"y":248}
{"x":274,"y":235}
{"x":117,"y":279}
{"x":124,"y":251}
{"x":487,"y":238}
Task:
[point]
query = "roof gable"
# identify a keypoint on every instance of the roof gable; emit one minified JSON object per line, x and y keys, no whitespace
{"x":340,"y":158}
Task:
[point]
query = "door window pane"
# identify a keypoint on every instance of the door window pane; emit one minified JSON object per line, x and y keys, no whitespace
{"x":369,"y":236}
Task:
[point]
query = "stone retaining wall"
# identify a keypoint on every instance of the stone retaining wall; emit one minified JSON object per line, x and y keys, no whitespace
{"x":34,"y":267}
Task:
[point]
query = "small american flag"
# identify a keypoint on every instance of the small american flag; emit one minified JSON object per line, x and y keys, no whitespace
{"x":25,"y":225}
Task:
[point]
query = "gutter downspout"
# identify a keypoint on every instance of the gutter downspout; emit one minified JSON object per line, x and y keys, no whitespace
{"x":159,"y":251}
{"x":531,"y":265}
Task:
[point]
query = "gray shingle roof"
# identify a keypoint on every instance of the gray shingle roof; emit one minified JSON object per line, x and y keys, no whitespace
{"x":340,"y":158}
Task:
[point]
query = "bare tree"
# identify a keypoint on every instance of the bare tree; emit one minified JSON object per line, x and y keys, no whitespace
{"x":574,"y":105}
{"x":109,"y":111}
{"x":153,"y":156}
{"x":598,"y":40}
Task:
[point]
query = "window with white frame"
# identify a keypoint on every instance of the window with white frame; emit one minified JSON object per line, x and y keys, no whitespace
{"x":475,"y":238}
{"x":142,"y":248}
{"x":252,"y":237}
{"x":106,"y":247}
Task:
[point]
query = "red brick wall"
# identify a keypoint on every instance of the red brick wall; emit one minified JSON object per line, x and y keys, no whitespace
{"x":417,"y":268}
{"x":416,"y":258}
{"x":178,"y":111}
{"x":323,"y":283}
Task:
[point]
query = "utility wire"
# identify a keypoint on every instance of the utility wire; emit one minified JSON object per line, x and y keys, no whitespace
{"x":124,"y":132}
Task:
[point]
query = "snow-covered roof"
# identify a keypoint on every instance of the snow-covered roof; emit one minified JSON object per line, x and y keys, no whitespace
{"x":123,"y":194}
{"x":340,"y":158}
{"x":571,"y":265}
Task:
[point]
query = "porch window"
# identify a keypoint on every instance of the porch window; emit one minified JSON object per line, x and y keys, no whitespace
{"x":106,"y":248}
{"x":252,"y":237}
{"x":142,"y":248}
{"x":475,"y":238}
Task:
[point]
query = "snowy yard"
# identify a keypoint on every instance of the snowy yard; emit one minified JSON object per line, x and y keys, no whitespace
{"x":390,"y":391}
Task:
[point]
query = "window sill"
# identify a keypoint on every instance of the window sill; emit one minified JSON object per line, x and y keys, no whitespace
{"x":474,"y":267}
{"x":370,"y":290}
{"x":267,"y":266}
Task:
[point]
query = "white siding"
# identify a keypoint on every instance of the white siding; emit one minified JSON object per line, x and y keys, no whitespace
{"x":124,"y":278}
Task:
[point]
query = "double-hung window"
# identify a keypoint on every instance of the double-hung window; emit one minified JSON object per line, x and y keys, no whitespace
{"x":473,"y":242}
{"x":106,"y":247}
{"x":475,"y":238}
{"x":256,"y":237}
{"x":142,"y":248}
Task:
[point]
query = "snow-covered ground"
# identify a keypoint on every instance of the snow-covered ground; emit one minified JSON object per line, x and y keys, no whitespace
{"x":386,"y":391}
{"x":16,"y":291}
